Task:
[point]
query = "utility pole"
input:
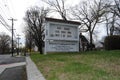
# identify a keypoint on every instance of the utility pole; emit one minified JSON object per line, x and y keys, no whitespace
{"x":12,"y":33}
{"x":18,"y":44}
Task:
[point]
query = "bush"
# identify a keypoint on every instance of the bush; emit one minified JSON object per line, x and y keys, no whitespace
{"x":112,"y":42}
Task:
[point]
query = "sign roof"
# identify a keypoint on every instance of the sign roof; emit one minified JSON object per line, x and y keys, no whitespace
{"x":62,"y":21}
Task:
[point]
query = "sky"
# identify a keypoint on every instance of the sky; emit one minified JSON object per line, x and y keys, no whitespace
{"x":16,"y":9}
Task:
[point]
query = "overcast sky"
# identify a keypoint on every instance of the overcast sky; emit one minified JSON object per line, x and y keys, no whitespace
{"x":17,"y":8}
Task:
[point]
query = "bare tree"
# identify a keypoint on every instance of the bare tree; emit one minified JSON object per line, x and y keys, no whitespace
{"x":58,"y":6}
{"x":89,"y":15}
{"x":35,"y":19}
{"x":112,"y":26}
{"x":117,"y":12}
{"x":4,"y":43}
{"x":107,"y":24}
{"x":29,"y":43}
{"x":112,"y":20}
{"x":117,"y":8}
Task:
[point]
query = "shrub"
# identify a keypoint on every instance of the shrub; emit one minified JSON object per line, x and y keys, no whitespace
{"x":112,"y":42}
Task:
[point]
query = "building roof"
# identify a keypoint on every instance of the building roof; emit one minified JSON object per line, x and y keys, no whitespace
{"x":62,"y":21}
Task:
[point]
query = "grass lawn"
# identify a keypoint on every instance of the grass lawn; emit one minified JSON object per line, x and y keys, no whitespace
{"x":94,"y":65}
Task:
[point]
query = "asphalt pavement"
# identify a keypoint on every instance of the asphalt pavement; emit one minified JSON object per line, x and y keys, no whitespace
{"x":8,"y":59}
{"x":12,"y":68}
{"x":18,"y":68}
{"x":15,"y":73}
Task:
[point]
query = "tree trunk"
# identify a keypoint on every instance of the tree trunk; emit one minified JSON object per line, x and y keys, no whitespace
{"x":107,"y":30}
{"x":91,"y":42}
{"x":113,"y":26}
{"x":40,"y":48}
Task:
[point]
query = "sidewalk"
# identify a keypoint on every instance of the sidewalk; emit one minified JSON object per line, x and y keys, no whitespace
{"x":3,"y":67}
{"x":14,"y":73}
{"x":32,"y":71}
{"x":15,"y":65}
{"x":6,"y":61}
{"x":12,"y":68}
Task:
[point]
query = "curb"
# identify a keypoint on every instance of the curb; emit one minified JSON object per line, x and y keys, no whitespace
{"x":32,"y":71}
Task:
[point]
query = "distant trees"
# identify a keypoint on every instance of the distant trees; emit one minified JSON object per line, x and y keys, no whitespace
{"x":4,"y":43}
{"x":116,"y":11}
{"x":117,"y":8}
{"x":112,"y":18}
{"x":34,"y":19}
{"x":29,"y":42}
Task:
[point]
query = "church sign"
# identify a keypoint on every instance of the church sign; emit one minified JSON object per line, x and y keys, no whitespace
{"x":61,"y":36}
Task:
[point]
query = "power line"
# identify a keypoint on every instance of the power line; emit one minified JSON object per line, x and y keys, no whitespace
{"x":4,"y":14}
{"x":2,"y":19}
{"x":4,"y":11}
{"x":5,"y":26}
{"x":4,"y":23}
{"x":5,"y":5}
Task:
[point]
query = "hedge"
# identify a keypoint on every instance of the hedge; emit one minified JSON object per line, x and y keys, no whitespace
{"x":112,"y":42}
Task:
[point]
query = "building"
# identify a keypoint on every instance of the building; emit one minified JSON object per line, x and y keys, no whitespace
{"x":61,"y":36}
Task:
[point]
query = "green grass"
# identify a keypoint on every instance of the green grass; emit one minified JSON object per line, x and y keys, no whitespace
{"x":93,"y":65}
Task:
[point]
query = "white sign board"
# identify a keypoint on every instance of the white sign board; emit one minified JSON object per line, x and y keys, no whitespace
{"x":62,"y":46}
{"x":61,"y":37}
{"x":62,"y":32}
